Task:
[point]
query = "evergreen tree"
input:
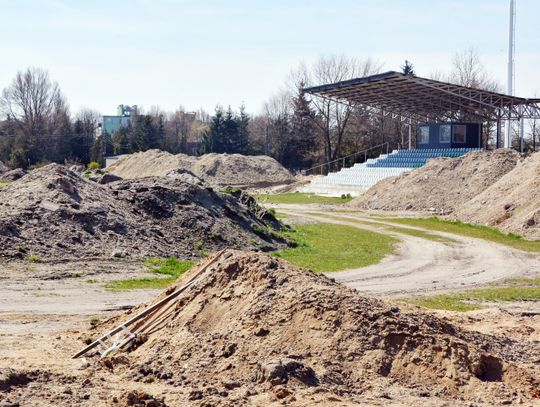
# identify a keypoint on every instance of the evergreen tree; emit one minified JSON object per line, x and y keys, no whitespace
{"x":230,"y":132}
{"x":213,"y":137}
{"x":120,"y":141}
{"x":300,"y":147}
{"x":243,"y":131}
{"x":96,"y":152}
{"x":408,"y":68}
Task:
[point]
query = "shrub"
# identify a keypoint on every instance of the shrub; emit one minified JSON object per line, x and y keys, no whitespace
{"x":93,"y":165}
{"x":33,"y":258}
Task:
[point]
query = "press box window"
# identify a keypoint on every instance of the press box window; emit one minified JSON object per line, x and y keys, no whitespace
{"x":460,"y":132}
{"x":423,"y":137}
{"x":444,"y":133}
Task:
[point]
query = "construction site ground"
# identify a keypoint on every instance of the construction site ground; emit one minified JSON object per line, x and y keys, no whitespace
{"x":46,"y":307}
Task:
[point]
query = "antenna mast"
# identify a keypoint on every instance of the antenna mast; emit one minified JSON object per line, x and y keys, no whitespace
{"x":510,"y":79}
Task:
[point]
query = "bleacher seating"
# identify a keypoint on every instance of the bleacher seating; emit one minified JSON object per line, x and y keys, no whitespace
{"x":360,"y":177}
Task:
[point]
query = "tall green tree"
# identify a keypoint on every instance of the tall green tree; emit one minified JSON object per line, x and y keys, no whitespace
{"x":242,"y":141}
{"x":301,"y":147}
{"x":212,"y":141}
{"x":227,"y":133}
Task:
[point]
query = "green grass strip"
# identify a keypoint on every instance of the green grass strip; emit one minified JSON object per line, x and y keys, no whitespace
{"x":300,"y":198}
{"x":171,"y":267}
{"x":468,"y":230}
{"x":406,"y":231}
{"x":422,"y":234}
{"x":331,"y":247}
{"x":522,"y":289}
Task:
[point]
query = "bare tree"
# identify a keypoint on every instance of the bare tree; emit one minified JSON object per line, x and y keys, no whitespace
{"x":32,"y":100}
{"x":333,"y":117}
{"x":468,"y":70}
{"x":38,"y":110}
{"x":276,"y":131}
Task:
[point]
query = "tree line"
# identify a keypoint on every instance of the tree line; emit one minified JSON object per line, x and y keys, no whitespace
{"x":295,"y":129}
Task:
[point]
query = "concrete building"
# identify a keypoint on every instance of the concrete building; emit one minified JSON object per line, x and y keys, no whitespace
{"x":111,"y":124}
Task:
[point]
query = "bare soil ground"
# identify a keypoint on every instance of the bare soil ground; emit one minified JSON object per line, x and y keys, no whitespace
{"x":223,"y":345}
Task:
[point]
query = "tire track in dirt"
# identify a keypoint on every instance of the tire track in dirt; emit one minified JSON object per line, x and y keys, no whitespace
{"x":423,"y":266}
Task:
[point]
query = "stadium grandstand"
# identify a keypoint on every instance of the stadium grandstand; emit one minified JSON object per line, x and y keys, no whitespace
{"x":437,"y":111}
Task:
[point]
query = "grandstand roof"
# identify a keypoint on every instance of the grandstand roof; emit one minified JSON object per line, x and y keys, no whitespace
{"x":425,"y":99}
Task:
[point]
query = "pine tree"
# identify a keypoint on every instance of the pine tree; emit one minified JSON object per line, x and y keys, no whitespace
{"x":243,"y":131}
{"x":230,"y":133}
{"x":213,"y":137}
{"x":408,"y":68}
{"x":301,"y":148}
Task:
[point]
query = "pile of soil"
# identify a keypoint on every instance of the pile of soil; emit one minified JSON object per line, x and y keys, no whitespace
{"x":151,"y":163}
{"x":442,"y":185}
{"x":512,"y":204}
{"x":241,"y":170}
{"x":256,"y":330}
{"x":12,"y":175}
{"x":55,"y":213}
{"x":220,"y":170}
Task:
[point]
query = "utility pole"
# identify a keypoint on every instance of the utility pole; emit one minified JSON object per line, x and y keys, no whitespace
{"x":510,"y":79}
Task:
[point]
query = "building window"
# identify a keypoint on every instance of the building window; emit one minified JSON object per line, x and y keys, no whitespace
{"x":460,"y":133}
{"x":423,"y":137}
{"x":444,"y":133}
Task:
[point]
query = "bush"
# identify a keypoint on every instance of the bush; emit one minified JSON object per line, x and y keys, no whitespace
{"x":33,"y":258}
{"x":93,"y":165}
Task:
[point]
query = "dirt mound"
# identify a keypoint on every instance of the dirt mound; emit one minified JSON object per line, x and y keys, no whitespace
{"x":442,"y":185}
{"x":241,"y":170}
{"x":221,"y":170}
{"x":255,"y":329}
{"x":12,"y":175}
{"x":151,"y":163}
{"x":54,"y":213}
{"x":512,"y":203}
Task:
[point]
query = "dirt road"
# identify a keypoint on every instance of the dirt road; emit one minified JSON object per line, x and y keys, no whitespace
{"x":423,"y":266}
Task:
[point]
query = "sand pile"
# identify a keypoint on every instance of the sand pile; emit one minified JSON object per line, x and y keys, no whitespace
{"x":512,"y":204}
{"x":241,"y":170}
{"x":54,"y":213}
{"x":442,"y":185}
{"x":256,"y":329}
{"x":151,"y":163}
{"x":221,"y":170}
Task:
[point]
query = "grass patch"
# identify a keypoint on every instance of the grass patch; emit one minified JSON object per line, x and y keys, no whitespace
{"x":33,"y":258}
{"x":422,"y":234}
{"x":300,"y":198}
{"x":330,"y":247}
{"x":4,"y":183}
{"x":171,"y":267}
{"x":522,"y":289}
{"x":468,"y":230}
{"x":406,"y":231}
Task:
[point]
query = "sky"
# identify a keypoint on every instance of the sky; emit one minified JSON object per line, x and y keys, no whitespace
{"x":198,"y":54}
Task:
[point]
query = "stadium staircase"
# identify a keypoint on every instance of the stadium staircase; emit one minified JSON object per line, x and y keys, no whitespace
{"x":360,"y":177}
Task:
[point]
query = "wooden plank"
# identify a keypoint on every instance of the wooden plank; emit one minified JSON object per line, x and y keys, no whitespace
{"x":150,"y":309}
